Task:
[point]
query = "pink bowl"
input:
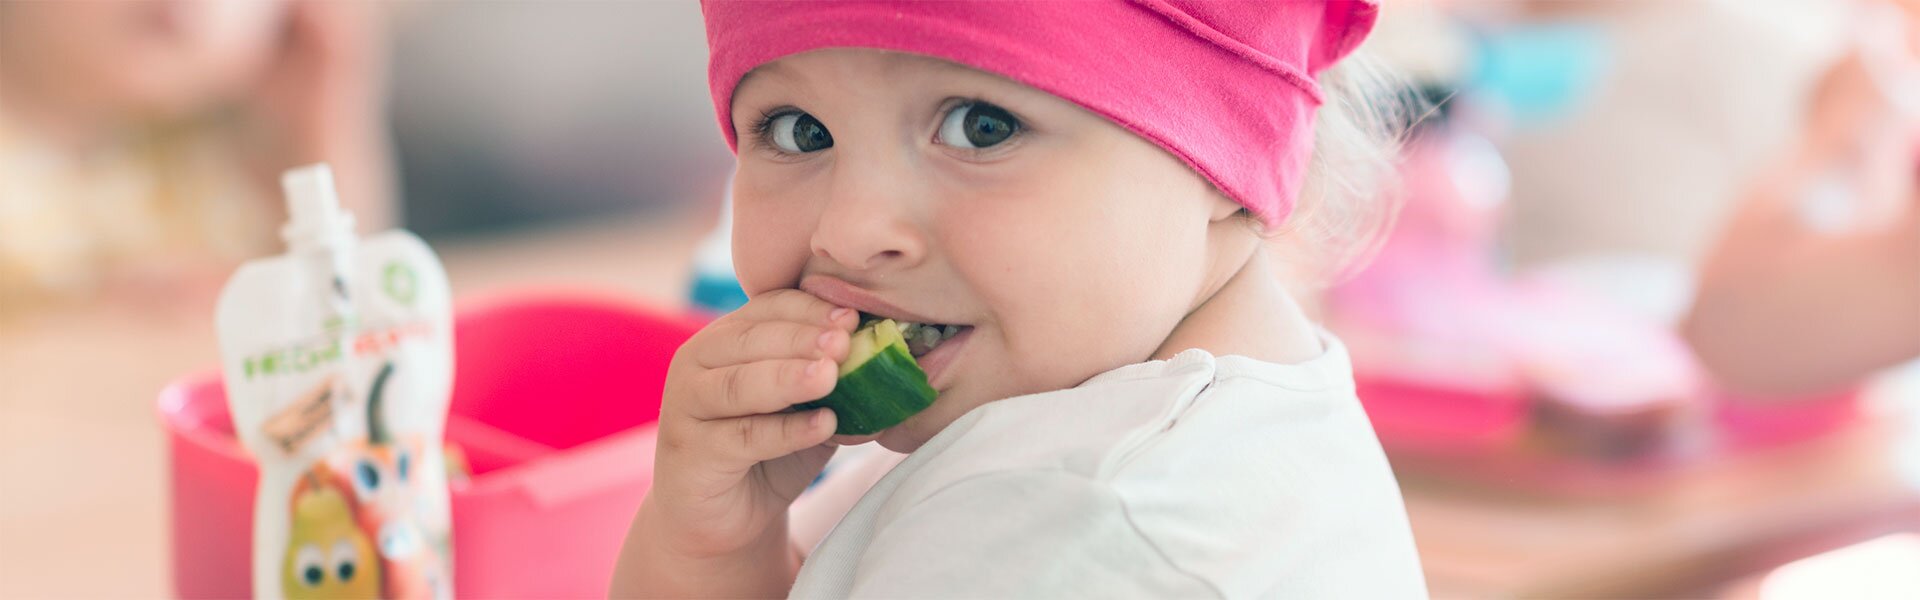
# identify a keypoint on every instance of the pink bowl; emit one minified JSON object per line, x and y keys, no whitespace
{"x":554,"y":402}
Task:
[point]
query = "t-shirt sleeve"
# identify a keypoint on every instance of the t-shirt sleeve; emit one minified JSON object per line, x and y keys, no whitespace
{"x":1023,"y":534}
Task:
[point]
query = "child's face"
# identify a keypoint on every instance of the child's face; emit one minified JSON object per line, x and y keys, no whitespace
{"x":1069,"y":247}
{"x":155,"y":58}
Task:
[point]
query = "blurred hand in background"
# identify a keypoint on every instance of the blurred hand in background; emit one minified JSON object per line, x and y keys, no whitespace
{"x":1815,"y":282}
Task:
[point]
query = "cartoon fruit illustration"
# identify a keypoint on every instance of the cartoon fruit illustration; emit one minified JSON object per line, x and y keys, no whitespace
{"x":383,"y":469}
{"x":328,"y":555}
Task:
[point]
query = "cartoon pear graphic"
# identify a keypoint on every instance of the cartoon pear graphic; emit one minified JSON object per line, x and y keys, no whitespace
{"x":328,"y":556}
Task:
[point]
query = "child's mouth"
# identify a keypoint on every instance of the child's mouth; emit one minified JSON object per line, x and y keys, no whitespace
{"x":923,"y":339}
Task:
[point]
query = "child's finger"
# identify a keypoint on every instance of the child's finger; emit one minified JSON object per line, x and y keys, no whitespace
{"x":749,"y":341}
{"x":750,"y":440}
{"x":760,"y":387}
{"x":797,"y":306}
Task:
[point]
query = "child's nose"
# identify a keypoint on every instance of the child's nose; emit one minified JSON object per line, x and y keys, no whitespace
{"x":868,"y":221}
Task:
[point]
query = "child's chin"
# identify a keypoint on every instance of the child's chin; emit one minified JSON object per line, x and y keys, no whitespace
{"x":905,"y":438}
{"x":899,"y":441}
{"x":900,"y":438}
{"x":853,"y":440}
{"x":909,"y":435}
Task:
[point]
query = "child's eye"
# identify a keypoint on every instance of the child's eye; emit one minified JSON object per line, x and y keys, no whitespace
{"x":977,"y":125}
{"x":798,"y":132}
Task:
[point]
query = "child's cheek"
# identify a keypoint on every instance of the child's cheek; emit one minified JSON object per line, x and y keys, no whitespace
{"x":769,"y":249}
{"x":1007,"y":247}
{"x":1045,"y":275}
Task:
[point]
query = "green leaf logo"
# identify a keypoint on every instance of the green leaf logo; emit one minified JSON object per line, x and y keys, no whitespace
{"x":399,"y":282}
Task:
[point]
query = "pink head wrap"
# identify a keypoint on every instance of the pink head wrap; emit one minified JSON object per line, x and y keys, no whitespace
{"x":1227,"y":86}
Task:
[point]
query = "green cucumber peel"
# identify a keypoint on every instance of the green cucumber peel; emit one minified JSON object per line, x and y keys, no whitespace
{"x":880,"y":384}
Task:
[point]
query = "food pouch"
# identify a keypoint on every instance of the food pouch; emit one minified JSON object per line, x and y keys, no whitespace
{"x":338,"y":363}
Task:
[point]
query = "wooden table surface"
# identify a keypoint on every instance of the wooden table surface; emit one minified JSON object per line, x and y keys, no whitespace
{"x":83,"y":471}
{"x":1709,"y":524}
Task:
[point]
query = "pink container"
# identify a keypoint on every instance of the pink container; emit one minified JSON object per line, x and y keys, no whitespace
{"x":554,"y":402}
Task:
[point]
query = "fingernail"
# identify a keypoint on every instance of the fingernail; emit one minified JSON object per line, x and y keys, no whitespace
{"x":826,"y":337}
{"x":813,"y":368}
{"x":818,"y":417}
{"x":839,"y":313}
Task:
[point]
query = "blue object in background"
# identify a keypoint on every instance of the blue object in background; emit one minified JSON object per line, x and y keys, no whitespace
{"x":717,"y":293}
{"x":1540,"y":72}
{"x":715,"y":286}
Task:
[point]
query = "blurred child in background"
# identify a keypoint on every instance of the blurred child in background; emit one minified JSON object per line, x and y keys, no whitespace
{"x":141,"y":142}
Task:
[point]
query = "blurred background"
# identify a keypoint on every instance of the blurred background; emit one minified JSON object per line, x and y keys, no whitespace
{"x":1646,"y":326}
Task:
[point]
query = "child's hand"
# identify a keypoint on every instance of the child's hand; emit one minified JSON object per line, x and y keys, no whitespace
{"x":730,"y":461}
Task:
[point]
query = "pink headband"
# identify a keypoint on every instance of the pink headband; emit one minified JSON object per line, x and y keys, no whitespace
{"x":1227,"y":86}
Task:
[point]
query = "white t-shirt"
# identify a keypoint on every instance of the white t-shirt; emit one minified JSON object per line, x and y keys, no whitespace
{"x":1199,"y":476}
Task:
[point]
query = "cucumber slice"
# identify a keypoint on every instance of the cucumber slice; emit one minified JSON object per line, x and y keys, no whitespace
{"x":880,"y":385}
